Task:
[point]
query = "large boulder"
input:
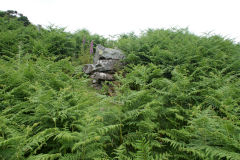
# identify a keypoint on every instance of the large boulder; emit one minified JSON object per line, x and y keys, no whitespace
{"x":102,"y":76}
{"x":104,"y":65}
{"x":106,"y":62}
{"x":107,"y":53}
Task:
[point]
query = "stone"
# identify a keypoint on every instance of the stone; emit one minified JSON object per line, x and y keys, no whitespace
{"x":89,"y":68}
{"x":94,"y":81}
{"x":103,"y":66}
{"x":102,"y":76}
{"x":107,"y":53}
{"x":107,"y":65}
{"x":106,"y":62}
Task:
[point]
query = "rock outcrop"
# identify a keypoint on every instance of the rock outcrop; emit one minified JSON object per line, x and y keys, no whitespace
{"x":106,"y":62}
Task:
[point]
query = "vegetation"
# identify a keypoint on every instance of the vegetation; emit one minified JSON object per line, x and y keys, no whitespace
{"x":176,"y":99}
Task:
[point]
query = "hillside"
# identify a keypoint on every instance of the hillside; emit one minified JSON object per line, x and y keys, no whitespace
{"x":177,"y":98}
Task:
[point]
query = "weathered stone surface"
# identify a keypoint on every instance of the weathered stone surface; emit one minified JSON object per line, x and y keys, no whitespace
{"x":106,"y":62}
{"x":107,"y":65}
{"x":89,"y":68}
{"x":107,"y":53}
{"x":102,"y":76}
{"x":102,"y":66}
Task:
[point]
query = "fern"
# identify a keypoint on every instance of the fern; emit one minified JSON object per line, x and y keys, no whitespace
{"x":177,"y":98}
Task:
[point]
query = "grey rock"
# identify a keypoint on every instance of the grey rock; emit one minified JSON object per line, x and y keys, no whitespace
{"x":108,"y":65}
{"x":102,"y":66}
{"x":89,"y":68}
{"x":102,"y":76}
{"x":107,"y":53}
{"x":106,"y":62}
{"x":94,"y":81}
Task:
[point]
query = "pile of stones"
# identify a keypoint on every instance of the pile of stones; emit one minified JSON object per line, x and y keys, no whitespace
{"x":106,"y":62}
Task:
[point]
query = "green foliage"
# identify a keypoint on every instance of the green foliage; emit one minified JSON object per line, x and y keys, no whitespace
{"x":177,"y":98}
{"x":14,"y":14}
{"x":17,"y":37}
{"x":48,"y":114}
{"x":83,"y":40}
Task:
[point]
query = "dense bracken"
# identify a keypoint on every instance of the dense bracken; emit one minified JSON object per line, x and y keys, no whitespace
{"x":176,"y":99}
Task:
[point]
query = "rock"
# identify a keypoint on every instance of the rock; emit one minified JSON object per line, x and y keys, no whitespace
{"x":106,"y":62}
{"x":107,"y":65}
{"x":107,"y":53}
{"x":102,"y":76}
{"x":88,"y":68}
{"x":94,"y":81}
{"x":102,"y":66}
